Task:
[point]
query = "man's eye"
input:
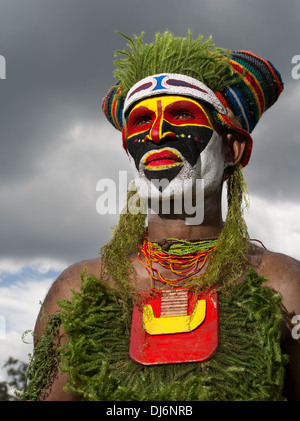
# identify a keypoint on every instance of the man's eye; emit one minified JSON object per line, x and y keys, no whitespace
{"x":142,"y":121}
{"x":183,"y":116}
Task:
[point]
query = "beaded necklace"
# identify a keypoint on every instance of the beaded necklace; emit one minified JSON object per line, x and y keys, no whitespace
{"x":184,"y":258}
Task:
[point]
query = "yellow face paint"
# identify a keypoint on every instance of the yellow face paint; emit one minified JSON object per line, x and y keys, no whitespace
{"x":150,"y":114}
{"x":172,"y":123}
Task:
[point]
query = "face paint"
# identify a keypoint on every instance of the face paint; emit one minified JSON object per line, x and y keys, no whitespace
{"x":171,"y":138}
{"x":180,"y":123}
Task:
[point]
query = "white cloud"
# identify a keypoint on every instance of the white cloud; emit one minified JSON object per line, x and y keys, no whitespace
{"x":14,"y":266}
{"x":19,"y":302}
{"x":276,"y":224}
{"x":19,"y":307}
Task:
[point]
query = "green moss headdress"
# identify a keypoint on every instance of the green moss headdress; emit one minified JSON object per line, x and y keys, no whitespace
{"x":243,"y":82}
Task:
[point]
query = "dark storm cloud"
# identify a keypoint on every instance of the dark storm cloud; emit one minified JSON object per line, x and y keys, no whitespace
{"x":59,"y":56}
{"x":273,"y":171}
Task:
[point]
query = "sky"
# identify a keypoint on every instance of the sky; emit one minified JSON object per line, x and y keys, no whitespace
{"x":56,"y":144}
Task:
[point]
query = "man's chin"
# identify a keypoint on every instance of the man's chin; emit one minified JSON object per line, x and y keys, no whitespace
{"x":164,"y":183}
{"x":162,"y":188}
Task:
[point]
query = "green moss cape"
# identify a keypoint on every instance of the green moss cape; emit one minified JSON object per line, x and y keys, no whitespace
{"x":248,"y":364}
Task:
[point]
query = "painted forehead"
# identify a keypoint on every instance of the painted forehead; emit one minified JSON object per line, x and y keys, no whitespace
{"x":177,"y":110}
{"x":168,"y":102}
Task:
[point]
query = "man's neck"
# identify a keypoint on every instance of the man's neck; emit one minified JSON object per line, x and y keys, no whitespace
{"x":171,"y":225}
{"x":166,"y":226}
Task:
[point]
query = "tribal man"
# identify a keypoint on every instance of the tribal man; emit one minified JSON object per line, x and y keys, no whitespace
{"x":182,"y":305}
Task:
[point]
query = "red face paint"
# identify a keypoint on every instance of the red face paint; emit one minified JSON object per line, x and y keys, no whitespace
{"x":155,"y":131}
{"x":169,"y":121}
{"x":150,"y":114}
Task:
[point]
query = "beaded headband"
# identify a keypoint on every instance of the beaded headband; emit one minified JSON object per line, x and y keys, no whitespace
{"x":172,"y":84}
{"x":258,"y":86}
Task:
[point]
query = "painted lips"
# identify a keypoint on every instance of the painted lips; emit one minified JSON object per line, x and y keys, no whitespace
{"x":165,"y":158}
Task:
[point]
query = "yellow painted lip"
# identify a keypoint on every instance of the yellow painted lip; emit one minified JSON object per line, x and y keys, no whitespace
{"x":173,"y":324}
{"x":161,"y":167}
{"x":150,"y":160}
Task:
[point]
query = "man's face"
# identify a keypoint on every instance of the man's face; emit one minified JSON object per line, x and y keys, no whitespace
{"x":172,"y":138}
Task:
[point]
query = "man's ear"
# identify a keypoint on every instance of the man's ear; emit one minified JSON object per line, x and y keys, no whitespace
{"x":234,"y":147}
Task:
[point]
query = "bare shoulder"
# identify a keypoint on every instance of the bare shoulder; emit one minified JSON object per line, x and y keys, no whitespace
{"x":70,"y":278}
{"x":64,"y":286}
{"x":283,"y":275}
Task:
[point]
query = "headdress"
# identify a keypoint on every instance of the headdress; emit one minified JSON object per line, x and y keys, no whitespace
{"x":238,"y":81}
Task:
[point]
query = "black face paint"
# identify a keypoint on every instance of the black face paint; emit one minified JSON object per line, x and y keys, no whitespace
{"x":176,"y":123}
{"x":190,"y":141}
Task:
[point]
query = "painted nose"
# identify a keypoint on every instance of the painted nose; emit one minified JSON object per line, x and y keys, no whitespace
{"x":155,"y":133}
{"x":158,"y":138}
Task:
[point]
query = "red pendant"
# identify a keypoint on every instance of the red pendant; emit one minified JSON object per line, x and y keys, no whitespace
{"x":173,"y":326}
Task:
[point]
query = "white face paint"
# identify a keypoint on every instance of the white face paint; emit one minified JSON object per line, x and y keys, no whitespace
{"x":212,"y":165}
{"x":209,"y":167}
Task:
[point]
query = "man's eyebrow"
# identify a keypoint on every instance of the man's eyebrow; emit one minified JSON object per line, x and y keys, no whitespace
{"x":140,"y":109}
{"x":184,"y":104}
